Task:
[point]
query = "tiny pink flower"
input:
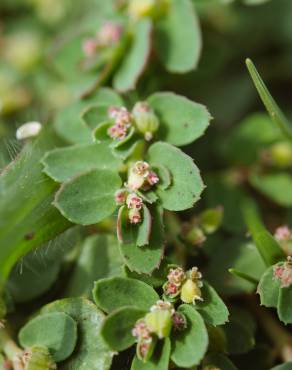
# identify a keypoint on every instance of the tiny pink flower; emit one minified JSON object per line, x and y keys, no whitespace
{"x":162,"y":305}
{"x":121,"y":116}
{"x":152,"y":178}
{"x":140,"y":330}
{"x":141,"y":168}
{"x":179,"y":321}
{"x":171,"y":289}
{"x":120,"y":196}
{"x":133,"y":201}
{"x":134,"y":216}
{"x":117,"y":131}
{"x":89,"y":47}
{"x":278,"y":272}
{"x":176,"y":276}
{"x":283,"y":233}
{"x":109,"y":34}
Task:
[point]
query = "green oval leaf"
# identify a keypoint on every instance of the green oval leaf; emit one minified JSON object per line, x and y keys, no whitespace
{"x":147,"y":258}
{"x":285,"y":305}
{"x":181,"y":120}
{"x":269,"y":288}
{"x":190,"y":345}
{"x":91,"y":352}
{"x":178,"y":37}
{"x":63,"y":164}
{"x":187,"y":184}
{"x":112,"y":293}
{"x":276,"y":186}
{"x":212,"y":308}
{"x":88,"y":198}
{"x":134,"y":60}
{"x":94,"y":114}
{"x":57,"y":331}
{"x":159,"y":359}
{"x":117,"y":327}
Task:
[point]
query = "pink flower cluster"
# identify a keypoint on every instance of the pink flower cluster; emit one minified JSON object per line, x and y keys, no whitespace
{"x":109,"y":35}
{"x":175,"y":277}
{"x":283,"y":273}
{"x":123,"y":121}
{"x":283,"y":233}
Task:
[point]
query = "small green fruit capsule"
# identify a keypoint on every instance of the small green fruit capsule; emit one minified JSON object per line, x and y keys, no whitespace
{"x":190,"y":292}
{"x":211,"y":219}
{"x":281,"y":154}
{"x":147,"y":8}
{"x":159,"y":322}
{"x":38,"y":358}
{"x":146,"y":120}
{"x":195,"y":236}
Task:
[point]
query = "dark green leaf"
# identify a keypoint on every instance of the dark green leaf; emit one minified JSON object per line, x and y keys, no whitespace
{"x":269,"y":288}
{"x":112,"y":293}
{"x":91,"y":352}
{"x":135,"y":58}
{"x":117,"y":327}
{"x":147,"y":258}
{"x":88,"y":198}
{"x":217,"y":360}
{"x":181,"y":120}
{"x":57,"y":331}
{"x":187,"y":184}
{"x":190,"y":346}
{"x":65,"y":163}
{"x":212,"y":309}
{"x":178,"y":37}
{"x":285,"y":305}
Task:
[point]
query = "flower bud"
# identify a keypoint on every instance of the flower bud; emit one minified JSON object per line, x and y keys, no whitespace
{"x":281,"y":154}
{"x":109,"y":34}
{"x":134,"y":216}
{"x":190,"y":292}
{"x":133,"y":201}
{"x":211,"y":219}
{"x":195,"y":236}
{"x":284,"y":237}
{"x":283,"y":273}
{"x":152,"y":178}
{"x":179,"y":321}
{"x":120,"y":196}
{"x":89,"y":46}
{"x":145,"y":119}
{"x":38,"y":358}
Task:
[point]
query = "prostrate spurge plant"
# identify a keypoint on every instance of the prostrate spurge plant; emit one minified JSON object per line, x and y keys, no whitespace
{"x":120,"y":279}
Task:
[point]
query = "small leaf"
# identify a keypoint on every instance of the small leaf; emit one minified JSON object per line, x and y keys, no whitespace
{"x":63,"y":164}
{"x":217,"y":360}
{"x":269,"y":288}
{"x":101,"y":132}
{"x":178,"y":37}
{"x":190,"y":345}
{"x":135,"y":59}
{"x":164,"y":177}
{"x":243,"y":276}
{"x":181,"y":120}
{"x":147,"y":258}
{"x":267,"y":246}
{"x":89,"y":198}
{"x":159,"y":359}
{"x":276,"y":186}
{"x":285,"y":305}
{"x":272,"y":107}
{"x":212,"y":309}
{"x":139,"y":234}
{"x":91,"y":352}
{"x":187,"y":184}
{"x":112,"y":293}
{"x":57,"y":331}
{"x":117,"y":327}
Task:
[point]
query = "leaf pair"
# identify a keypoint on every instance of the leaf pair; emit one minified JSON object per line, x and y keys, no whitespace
{"x":127,"y":300}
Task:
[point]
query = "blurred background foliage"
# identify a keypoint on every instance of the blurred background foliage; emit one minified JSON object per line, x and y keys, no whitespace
{"x":240,"y":148}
